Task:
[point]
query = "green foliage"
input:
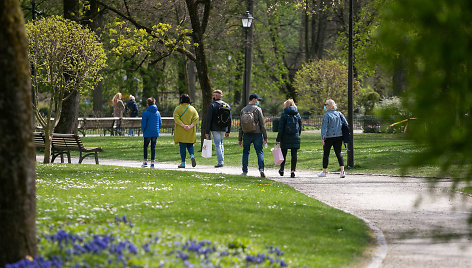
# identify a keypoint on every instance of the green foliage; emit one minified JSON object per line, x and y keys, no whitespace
{"x":367,"y":100}
{"x":65,"y":55}
{"x":391,"y":110}
{"x":432,"y":41}
{"x":320,"y":80}
{"x":365,"y":22}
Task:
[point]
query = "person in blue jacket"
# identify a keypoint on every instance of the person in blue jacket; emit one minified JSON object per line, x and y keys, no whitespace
{"x":150,"y":124}
{"x":290,"y":128}
{"x":332,"y":136}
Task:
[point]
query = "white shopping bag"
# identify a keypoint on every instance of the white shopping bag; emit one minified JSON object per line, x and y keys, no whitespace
{"x":206,"y":149}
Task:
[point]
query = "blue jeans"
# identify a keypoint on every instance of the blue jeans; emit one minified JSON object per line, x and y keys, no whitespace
{"x":183,"y":150}
{"x":255,"y":138}
{"x":219,"y":148}
{"x":152,"y":140}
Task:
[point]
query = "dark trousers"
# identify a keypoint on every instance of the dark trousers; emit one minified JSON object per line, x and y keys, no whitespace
{"x":336,"y":143}
{"x":153,"y":141}
{"x":293,"y":162}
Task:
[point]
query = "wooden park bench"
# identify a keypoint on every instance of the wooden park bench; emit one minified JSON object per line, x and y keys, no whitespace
{"x":135,"y":122}
{"x":168,"y":122}
{"x":130,"y":122}
{"x":103,"y":123}
{"x":63,"y":144}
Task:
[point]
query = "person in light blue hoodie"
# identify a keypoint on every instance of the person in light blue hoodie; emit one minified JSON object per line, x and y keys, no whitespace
{"x":332,"y":135}
{"x":150,"y":124}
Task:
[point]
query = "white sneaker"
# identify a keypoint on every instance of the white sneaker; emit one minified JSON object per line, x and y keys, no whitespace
{"x":321,"y":174}
{"x":342,"y":175}
{"x":244,"y":174}
{"x":144,"y":165}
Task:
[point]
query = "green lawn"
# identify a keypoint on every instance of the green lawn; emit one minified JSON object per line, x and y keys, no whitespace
{"x":373,"y":153}
{"x":225,"y":209}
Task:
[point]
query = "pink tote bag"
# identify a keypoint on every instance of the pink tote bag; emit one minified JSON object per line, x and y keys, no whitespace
{"x":278,"y":157}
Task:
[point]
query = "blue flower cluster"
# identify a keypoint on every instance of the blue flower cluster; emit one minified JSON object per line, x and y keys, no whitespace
{"x":122,"y":246}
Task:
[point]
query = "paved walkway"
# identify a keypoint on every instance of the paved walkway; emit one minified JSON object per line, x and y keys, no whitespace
{"x":405,"y":214}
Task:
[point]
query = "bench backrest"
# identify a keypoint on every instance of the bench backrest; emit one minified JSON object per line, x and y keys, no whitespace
{"x":66,"y":142}
{"x":130,"y":122}
{"x":39,"y":140}
{"x":99,"y":123}
{"x":168,"y":122}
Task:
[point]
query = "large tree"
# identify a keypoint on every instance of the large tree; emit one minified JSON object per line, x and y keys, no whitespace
{"x":67,"y":57}
{"x":17,"y":152}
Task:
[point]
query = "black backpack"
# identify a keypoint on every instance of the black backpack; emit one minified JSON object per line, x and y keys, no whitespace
{"x":291,"y":126}
{"x":223,"y":114}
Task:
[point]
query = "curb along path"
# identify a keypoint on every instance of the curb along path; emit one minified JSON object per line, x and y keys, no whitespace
{"x":405,"y":214}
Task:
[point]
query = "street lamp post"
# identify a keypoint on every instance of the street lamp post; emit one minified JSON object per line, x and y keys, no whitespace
{"x":350,"y":156}
{"x":247,"y":23}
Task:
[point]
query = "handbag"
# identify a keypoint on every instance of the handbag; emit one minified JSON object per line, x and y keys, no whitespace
{"x":278,"y":157}
{"x":206,"y":148}
{"x":345,"y":131}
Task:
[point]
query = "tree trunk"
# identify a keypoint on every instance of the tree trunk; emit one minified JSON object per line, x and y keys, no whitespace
{"x":199,"y":23}
{"x":70,"y":107}
{"x":191,"y":79}
{"x":17,"y":152}
{"x":70,"y":112}
{"x":94,"y":20}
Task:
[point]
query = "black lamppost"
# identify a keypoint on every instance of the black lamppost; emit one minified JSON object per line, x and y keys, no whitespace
{"x":350,"y":155}
{"x":247,"y":23}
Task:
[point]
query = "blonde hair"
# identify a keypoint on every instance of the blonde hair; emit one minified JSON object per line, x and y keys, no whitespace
{"x":289,"y":103}
{"x":116,"y":98}
{"x":332,"y":104}
{"x":131,"y":97}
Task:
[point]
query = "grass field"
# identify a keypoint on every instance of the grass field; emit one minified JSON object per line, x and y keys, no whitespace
{"x":373,"y":153}
{"x":242,"y":216}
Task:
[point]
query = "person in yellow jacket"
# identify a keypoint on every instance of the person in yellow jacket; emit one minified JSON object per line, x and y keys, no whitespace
{"x":185,"y":134}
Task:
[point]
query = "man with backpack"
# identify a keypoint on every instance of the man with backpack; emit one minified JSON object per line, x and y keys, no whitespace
{"x":219,"y":123}
{"x":252,"y":130}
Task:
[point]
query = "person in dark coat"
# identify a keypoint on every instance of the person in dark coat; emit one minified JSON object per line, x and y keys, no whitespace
{"x":290,"y":128}
{"x":132,"y":108}
{"x":150,"y":124}
{"x":217,"y":132}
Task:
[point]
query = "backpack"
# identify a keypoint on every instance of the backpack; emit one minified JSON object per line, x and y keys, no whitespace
{"x":248,"y":121}
{"x":223,"y":115}
{"x":291,"y":125}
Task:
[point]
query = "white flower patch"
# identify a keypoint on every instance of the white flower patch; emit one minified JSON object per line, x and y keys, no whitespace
{"x":154,"y":189}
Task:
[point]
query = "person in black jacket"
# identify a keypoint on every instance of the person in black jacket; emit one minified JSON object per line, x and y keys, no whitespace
{"x":132,"y":109}
{"x":290,"y":128}
{"x":218,"y":132}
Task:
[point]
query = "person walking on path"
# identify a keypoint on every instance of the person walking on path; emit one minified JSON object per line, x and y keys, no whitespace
{"x":150,"y":124}
{"x":219,"y":124}
{"x":118,"y":108}
{"x":290,"y":128}
{"x":132,"y":108}
{"x":186,"y":118}
{"x":332,"y":135}
{"x":252,"y":130}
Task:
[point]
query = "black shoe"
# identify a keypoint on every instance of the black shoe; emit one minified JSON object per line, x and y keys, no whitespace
{"x":194,"y":162}
{"x":281,"y":172}
{"x":219,"y":165}
{"x":292,"y":175}
{"x":262,"y":174}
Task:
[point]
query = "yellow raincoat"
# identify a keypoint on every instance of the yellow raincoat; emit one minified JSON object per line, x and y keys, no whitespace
{"x":190,"y":116}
